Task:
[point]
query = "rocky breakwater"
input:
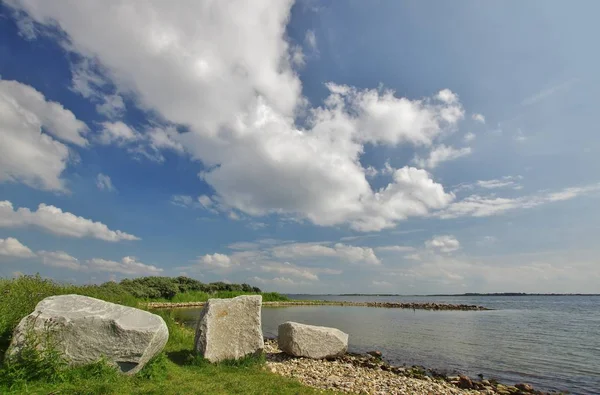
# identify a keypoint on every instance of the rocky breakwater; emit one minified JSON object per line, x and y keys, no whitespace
{"x":84,"y":329}
{"x":390,"y":305}
{"x":229,"y":328}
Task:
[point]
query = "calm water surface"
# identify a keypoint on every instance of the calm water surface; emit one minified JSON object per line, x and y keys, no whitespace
{"x":551,"y":342}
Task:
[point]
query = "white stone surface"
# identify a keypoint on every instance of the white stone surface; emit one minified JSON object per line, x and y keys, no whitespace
{"x":85,"y":329}
{"x":311,"y":341}
{"x":230,"y":328}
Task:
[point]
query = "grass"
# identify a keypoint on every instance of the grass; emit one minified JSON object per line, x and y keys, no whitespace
{"x":176,"y":370}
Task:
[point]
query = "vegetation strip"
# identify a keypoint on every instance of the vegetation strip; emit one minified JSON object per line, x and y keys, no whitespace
{"x":391,"y":305}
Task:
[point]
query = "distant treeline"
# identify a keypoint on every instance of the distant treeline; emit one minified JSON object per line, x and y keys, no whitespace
{"x":168,"y":287}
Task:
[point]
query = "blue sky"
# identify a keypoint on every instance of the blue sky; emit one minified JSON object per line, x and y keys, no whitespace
{"x":401,"y":147}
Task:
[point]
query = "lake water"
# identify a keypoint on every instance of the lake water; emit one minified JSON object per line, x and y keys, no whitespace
{"x":551,"y":342}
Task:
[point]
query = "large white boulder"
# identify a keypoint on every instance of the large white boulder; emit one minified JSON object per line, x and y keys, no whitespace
{"x":86,"y":329}
{"x":230,"y":328}
{"x":311,"y":341}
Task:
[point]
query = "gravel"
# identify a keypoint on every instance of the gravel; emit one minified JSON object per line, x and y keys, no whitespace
{"x":346,"y":374}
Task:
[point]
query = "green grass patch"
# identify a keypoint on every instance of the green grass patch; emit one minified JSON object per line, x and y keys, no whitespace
{"x":176,"y":370}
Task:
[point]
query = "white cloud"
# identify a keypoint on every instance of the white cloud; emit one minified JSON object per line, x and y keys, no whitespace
{"x":393,"y":248}
{"x":485,"y":206}
{"x":26,"y":27}
{"x":52,"y":219}
{"x":11,"y":247}
{"x":345,"y":252}
{"x":447,"y":96}
{"x":511,"y":182}
{"x":311,"y":40}
{"x":60,"y":259}
{"x":231,"y":82}
{"x":215,"y":260}
{"x":128,"y":265}
{"x":28,"y":154}
{"x":58,"y":121}
{"x":182,"y":200}
{"x":381,"y":283}
{"x":371,"y":172}
{"x":117,"y":133}
{"x":469,"y":137}
{"x":86,"y":78}
{"x":297,"y":57}
{"x":278,"y":281}
{"x":289,"y":269}
{"x":164,"y":138}
{"x":478,"y":118}
{"x":445,"y":243}
{"x":89,"y":81}
{"x":112,"y":107}
{"x":519,"y":136}
{"x":103,"y":182}
{"x":546,"y":93}
{"x":441,"y":153}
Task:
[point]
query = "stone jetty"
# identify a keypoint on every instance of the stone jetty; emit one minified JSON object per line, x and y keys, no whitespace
{"x":390,"y":305}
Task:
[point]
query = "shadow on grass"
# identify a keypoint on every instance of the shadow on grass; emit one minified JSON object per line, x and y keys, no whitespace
{"x":189,"y":358}
{"x":181,"y":357}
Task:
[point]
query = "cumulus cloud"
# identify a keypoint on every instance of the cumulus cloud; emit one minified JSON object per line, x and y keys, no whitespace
{"x":128,"y":265}
{"x":441,"y":153}
{"x":289,"y":269}
{"x":277,"y":281}
{"x":216,"y":260}
{"x":11,"y":247}
{"x":232,"y":83}
{"x":345,"y":252}
{"x":28,"y":153}
{"x":60,"y":259}
{"x":52,"y":219}
{"x":469,"y":137}
{"x":117,"y":133}
{"x":58,"y":121}
{"x":103,"y":182}
{"x":445,"y":243}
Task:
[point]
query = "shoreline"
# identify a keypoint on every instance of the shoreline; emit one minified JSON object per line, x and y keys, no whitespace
{"x":389,"y":305}
{"x":370,"y":374}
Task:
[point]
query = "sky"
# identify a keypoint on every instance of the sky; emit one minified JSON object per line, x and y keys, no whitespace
{"x":303,"y":147}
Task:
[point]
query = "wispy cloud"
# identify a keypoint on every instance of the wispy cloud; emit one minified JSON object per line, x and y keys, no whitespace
{"x":546,"y":93}
{"x":485,"y":206}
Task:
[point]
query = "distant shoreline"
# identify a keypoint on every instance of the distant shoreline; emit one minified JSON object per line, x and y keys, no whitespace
{"x":465,"y":294}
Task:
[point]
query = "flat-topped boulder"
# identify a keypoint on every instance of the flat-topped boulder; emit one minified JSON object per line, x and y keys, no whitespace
{"x":85,"y":329}
{"x":230,"y":328}
{"x":311,"y":341}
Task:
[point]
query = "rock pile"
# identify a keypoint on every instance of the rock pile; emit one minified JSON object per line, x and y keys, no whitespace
{"x":85,"y":329}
